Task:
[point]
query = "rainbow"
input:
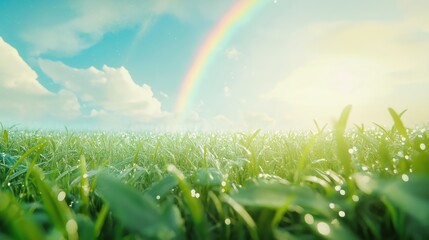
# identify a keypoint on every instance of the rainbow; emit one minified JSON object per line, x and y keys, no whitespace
{"x":217,"y":38}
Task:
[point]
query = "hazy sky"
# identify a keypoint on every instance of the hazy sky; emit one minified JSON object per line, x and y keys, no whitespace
{"x":120,"y":64}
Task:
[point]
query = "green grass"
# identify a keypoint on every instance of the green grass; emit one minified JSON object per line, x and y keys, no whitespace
{"x":360,"y":183}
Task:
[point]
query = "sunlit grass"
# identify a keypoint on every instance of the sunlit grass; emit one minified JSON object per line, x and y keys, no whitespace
{"x":360,"y":183}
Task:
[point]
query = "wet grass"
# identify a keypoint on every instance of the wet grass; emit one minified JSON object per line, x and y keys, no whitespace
{"x":337,"y":184}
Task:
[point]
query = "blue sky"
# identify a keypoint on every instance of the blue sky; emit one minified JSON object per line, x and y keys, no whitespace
{"x":119,"y":64}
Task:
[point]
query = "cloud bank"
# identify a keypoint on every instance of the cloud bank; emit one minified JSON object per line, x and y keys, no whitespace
{"x":87,"y":96}
{"x":23,"y":96}
{"x":108,"y":93}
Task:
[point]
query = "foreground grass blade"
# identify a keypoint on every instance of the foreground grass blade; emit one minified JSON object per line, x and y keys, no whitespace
{"x":12,"y":217}
{"x":162,"y":187}
{"x":251,"y":226}
{"x":98,"y":226}
{"x":194,"y":205}
{"x":138,"y":212}
{"x":55,"y":206}
{"x":275,"y":195}
{"x":411,"y":196}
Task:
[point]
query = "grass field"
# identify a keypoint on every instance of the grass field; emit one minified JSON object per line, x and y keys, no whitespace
{"x":337,"y":184}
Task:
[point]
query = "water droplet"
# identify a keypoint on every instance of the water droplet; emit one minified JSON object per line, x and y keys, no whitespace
{"x":308,"y":218}
{"x":364,"y":168}
{"x":85,"y":175}
{"x":158,"y":197}
{"x":323,"y":228}
{"x":227,"y":221}
{"x":331,"y":206}
{"x":405,"y":178}
{"x":197,"y":195}
{"x":71,"y":226}
{"x":193,"y":192}
{"x":422,"y":146}
{"x":223,"y":183}
{"x":8,"y":184}
{"x":351,"y":151}
{"x":341,"y":214}
{"x":337,"y":188}
{"x":342,"y":192}
{"x":61,"y":196}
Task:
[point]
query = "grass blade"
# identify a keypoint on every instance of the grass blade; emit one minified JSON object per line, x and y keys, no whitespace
{"x":342,"y":149}
{"x":194,"y":205}
{"x":16,"y":222}
{"x":136,"y":211}
{"x":398,"y":124}
{"x":55,"y":206}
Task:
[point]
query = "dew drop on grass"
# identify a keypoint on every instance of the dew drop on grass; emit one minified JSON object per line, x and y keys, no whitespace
{"x":197,"y":195}
{"x":8,"y":184}
{"x":405,"y":177}
{"x":337,"y":188}
{"x":331,"y":206}
{"x":341,"y":213}
{"x":61,"y":196}
{"x":422,"y":146}
{"x":158,"y":197}
{"x":308,"y":218}
{"x":223,"y":183}
{"x":342,"y":192}
{"x":71,"y":226}
{"x":323,"y":228}
{"x":355,"y":198}
{"x":227,"y":221}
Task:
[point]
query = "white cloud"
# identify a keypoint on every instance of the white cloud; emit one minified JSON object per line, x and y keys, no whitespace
{"x":23,"y":97}
{"x":109,"y":93}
